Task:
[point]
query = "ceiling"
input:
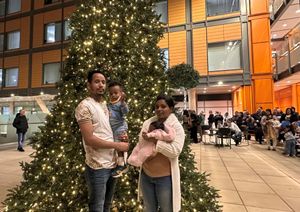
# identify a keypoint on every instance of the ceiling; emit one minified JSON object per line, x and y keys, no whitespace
{"x":288,"y":19}
{"x":217,"y":89}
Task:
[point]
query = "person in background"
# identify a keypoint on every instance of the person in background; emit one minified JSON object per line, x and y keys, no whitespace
{"x":267,"y":123}
{"x":290,"y":139}
{"x":210,"y":119}
{"x":236,"y":133}
{"x":21,"y":124}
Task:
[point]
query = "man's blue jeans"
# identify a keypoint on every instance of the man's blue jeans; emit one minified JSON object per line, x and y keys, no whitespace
{"x":101,"y":188}
{"x":157,"y":193}
{"x":21,"y":138}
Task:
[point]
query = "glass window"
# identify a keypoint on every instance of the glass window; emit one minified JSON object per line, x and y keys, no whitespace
{"x":50,"y":1}
{"x":13,"y":40}
{"x":11,"y":77}
{"x":1,"y":76}
{"x":161,"y":8}
{"x":5,"y":110}
{"x":224,"y":56}
{"x":165,"y":53}
{"x":51,"y":73}
{"x":13,"y":6}
{"x":2,"y":7}
{"x":67,"y":30}
{"x":220,"y":7}
{"x":1,"y":42}
{"x":52,"y":32}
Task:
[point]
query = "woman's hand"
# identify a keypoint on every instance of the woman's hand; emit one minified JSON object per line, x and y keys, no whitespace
{"x":146,"y":138}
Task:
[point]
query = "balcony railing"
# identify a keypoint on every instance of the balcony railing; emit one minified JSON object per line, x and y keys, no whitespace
{"x":286,"y":61}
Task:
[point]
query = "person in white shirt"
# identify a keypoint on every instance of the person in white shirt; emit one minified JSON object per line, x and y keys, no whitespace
{"x":93,"y":118}
{"x":236,"y":133}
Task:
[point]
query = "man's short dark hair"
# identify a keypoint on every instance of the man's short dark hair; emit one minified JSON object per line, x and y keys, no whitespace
{"x":115,"y":83}
{"x":91,"y":74}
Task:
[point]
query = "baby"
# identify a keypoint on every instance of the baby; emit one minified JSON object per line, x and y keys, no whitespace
{"x":118,"y":110}
{"x":144,"y":149}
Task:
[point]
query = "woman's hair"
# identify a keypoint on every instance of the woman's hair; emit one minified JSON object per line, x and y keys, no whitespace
{"x":169,"y":100}
{"x":269,"y":110}
{"x":288,"y":109}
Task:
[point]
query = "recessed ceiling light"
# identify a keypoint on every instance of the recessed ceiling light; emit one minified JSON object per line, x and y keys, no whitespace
{"x":233,"y":87}
{"x":12,"y":94}
{"x":288,"y":81}
{"x":298,"y":11}
{"x":220,"y":83}
{"x":274,"y":35}
{"x":229,"y":90}
{"x":204,"y":91}
{"x":284,"y":25}
{"x":205,"y":88}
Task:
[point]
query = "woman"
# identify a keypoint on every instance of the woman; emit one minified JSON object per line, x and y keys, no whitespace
{"x":269,"y":129}
{"x":160,"y":177}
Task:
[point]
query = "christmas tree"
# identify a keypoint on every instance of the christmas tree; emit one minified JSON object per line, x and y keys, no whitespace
{"x":120,"y":37}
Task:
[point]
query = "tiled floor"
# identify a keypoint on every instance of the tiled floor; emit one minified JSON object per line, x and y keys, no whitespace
{"x":250,"y":178}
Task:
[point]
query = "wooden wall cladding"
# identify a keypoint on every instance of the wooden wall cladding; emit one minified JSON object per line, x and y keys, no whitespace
{"x":177,"y":48}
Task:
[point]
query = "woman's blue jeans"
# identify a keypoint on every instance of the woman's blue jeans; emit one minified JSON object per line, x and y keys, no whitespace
{"x":101,"y":188}
{"x":290,"y":147}
{"x":157,"y":193}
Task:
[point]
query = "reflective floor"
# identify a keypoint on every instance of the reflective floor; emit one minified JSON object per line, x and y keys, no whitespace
{"x":249,"y":177}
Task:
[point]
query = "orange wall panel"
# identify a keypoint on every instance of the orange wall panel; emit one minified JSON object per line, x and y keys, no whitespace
{"x":38,"y":30}
{"x":25,"y":32}
{"x":198,"y":11}
{"x":23,"y":71}
{"x":26,"y":5}
{"x":164,"y":42}
{"x":215,"y":33}
{"x":200,"y":51}
{"x":177,"y":48}
{"x":263,"y":92}
{"x":37,"y":70}
{"x":51,"y":56}
{"x":261,"y":58}
{"x":259,"y":6}
{"x":68,"y":11}
{"x":224,"y":32}
{"x":38,"y":4}
{"x":260,"y":30}
{"x":13,"y":25}
{"x":232,"y":31}
{"x":176,"y":12}
{"x":298,"y":97}
{"x":11,"y":62}
{"x":52,"y":16}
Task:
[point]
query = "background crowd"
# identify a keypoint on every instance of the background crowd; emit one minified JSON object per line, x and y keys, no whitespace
{"x":267,"y":126}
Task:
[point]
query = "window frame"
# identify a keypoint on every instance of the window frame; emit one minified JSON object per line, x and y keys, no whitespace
{"x":4,"y":8}
{"x":218,"y":14}
{"x":7,"y":7}
{"x":226,"y":69}
{"x":167,"y":15}
{"x":3,"y":42}
{"x":55,"y":26}
{"x":64,"y":30}
{"x":6,"y":47}
{"x":50,"y":2}
{"x":5,"y":75}
{"x":43,"y":74}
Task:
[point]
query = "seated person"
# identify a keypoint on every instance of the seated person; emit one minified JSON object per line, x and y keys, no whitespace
{"x":236,"y":133}
{"x":145,"y":149}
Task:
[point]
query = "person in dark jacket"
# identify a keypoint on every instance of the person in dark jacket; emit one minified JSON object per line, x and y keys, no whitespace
{"x":21,"y":124}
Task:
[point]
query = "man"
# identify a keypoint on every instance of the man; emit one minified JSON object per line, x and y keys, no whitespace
{"x":21,"y":124}
{"x":93,"y":118}
{"x":236,"y":133}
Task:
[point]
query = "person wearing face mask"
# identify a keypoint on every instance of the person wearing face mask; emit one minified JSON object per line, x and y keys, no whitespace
{"x":160,"y":176}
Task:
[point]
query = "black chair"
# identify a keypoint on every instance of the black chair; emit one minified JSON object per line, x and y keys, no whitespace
{"x":224,"y":133}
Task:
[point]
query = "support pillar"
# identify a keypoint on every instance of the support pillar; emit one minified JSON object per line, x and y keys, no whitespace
{"x":192,"y":99}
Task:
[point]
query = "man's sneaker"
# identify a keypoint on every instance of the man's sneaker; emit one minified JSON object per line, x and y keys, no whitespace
{"x":119,"y":171}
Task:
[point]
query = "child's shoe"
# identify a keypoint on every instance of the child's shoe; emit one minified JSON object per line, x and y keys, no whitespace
{"x":119,"y":171}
